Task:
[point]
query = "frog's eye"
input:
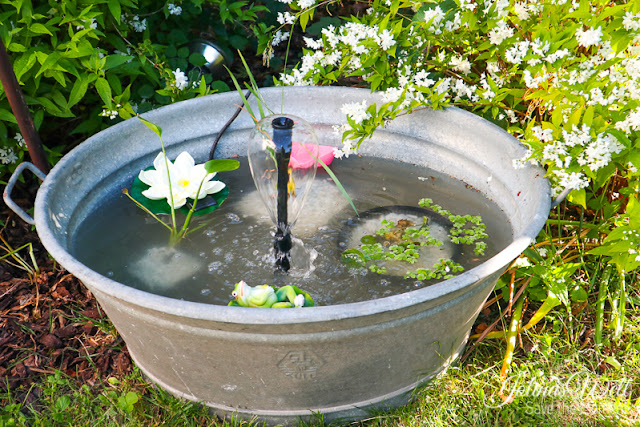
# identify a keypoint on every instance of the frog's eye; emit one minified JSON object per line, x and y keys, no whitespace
{"x":234,"y":294}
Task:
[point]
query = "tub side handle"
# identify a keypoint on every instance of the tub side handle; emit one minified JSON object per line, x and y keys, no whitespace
{"x":6,"y":195}
{"x":555,"y":202}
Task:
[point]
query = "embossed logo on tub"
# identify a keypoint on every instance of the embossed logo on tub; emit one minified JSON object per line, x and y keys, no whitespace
{"x":301,"y":365}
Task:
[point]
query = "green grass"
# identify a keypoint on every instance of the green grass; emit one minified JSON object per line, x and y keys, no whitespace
{"x":555,"y":381}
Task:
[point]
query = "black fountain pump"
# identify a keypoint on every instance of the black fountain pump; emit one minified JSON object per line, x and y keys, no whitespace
{"x":282,"y":131}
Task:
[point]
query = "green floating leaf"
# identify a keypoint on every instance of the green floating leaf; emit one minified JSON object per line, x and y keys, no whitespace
{"x":161,"y":207}
{"x":221,"y":165}
{"x":368,"y":240}
{"x":353,"y":257}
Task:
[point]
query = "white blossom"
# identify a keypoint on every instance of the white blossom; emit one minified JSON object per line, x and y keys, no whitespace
{"x":20,"y":140}
{"x":178,"y":181}
{"x":392,"y":94}
{"x":138,"y":25}
{"x":182,"y":81}
{"x":516,"y":53}
{"x":311,"y":43}
{"x":500,"y":33}
{"x":285,"y":18}
{"x":173,"y":9}
{"x":435,"y":16}
{"x":356,"y":111}
{"x":279,"y":37}
{"x":589,"y":37}
{"x":305,"y":4}
{"x":521,"y":10}
{"x":631,"y":22}
{"x":7,"y":156}
{"x":461,"y":64}
{"x":385,"y":40}
{"x":522,"y":262}
{"x":112,"y":114}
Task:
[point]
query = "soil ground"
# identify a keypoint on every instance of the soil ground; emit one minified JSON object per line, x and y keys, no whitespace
{"x":50,"y":321}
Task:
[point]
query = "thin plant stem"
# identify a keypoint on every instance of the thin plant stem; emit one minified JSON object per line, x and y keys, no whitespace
{"x":512,"y":336}
{"x":621,"y":298}
{"x":173,"y":211}
{"x":187,"y":221}
{"x":602,"y":297}
{"x":141,"y":206}
{"x":13,"y":253}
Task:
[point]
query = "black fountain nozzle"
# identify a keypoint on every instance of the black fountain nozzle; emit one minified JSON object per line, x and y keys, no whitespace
{"x":282,"y":132}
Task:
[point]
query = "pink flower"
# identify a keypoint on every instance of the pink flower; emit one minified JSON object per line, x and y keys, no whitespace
{"x":303,"y":156}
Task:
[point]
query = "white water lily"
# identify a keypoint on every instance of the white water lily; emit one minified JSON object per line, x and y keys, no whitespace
{"x":185,"y":176}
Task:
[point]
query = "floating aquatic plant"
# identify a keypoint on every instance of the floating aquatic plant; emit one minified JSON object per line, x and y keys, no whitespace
{"x":401,"y":241}
{"x":182,"y":185}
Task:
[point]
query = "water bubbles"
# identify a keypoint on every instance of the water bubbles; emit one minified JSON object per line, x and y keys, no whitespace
{"x":235,"y":241}
{"x":214,"y":266}
{"x":217,"y":251}
{"x":256,"y":252}
{"x":233,"y":218}
{"x":205,"y":292}
{"x":384,"y":282}
{"x":203,"y":254}
{"x":323,"y":228}
{"x":210,"y":233}
{"x":418,"y":284}
{"x":228,"y":257}
{"x":109,"y":273}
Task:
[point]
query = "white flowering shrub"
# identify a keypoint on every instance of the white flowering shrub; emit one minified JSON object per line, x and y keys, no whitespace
{"x":561,"y":75}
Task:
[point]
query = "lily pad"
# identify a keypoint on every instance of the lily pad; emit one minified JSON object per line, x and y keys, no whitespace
{"x":161,"y":207}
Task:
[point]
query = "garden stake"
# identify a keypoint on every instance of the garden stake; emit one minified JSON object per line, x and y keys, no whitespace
{"x":21,"y":112}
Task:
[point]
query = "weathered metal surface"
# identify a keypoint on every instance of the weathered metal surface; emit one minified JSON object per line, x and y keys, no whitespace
{"x":284,"y":364}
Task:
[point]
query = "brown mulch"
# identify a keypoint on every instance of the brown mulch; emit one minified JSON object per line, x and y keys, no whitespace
{"x":51,"y":322}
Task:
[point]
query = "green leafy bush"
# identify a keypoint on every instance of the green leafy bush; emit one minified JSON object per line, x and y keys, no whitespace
{"x":82,"y":65}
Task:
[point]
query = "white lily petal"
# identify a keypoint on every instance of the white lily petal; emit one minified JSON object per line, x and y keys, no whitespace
{"x":154,"y":193}
{"x":159,"y":161}
{"x":147,"y":177}
{"x":212,"y":187}
{"x":184,"y":163}
{"x":178,"y":201}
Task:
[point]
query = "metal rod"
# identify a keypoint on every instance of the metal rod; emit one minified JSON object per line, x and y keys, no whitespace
{"x":21,"y":111}
{"x":282,"y":131}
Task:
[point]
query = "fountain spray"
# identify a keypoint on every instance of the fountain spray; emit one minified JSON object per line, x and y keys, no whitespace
{"x":282,"y":153}
{"x":282,"y":131}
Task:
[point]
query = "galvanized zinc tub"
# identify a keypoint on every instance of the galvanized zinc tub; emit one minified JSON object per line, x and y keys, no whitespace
{"x":281,"y":365}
